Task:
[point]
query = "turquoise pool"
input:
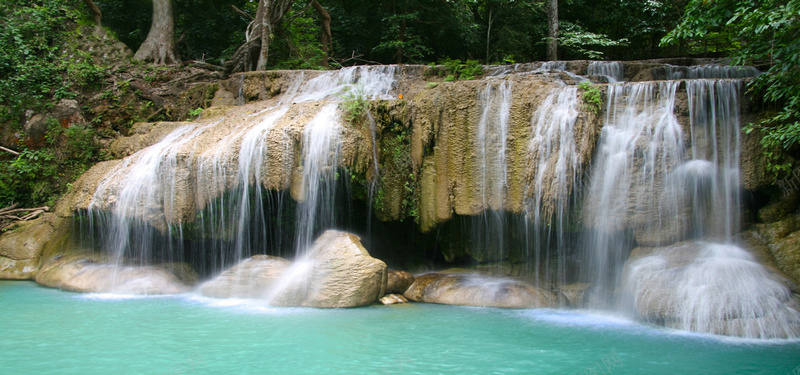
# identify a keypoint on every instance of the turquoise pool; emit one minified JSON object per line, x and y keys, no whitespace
{"x":55,"y":332}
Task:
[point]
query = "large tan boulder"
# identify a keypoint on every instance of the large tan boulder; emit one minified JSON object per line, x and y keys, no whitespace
{"x":343,"y":274}
{"x":21,"y":249}
{"x":89,"y":273}
{"x":713,"y":288}
{"x":336,"y":272}
{"x":472,"y":289}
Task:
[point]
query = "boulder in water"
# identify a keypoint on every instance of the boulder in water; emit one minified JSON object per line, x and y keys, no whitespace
{"x":343,"y":274}
{"x":470,"y":289}
{"x":711,"y":288}
{"x":88,"y":273}
{"x":336,"y":272}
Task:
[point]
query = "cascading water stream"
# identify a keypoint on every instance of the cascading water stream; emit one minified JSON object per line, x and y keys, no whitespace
{"x":491,"y":141}
{"x":225,"y":181}
{"x":639,"y":142}
{"x":612,"y":70}
{"x":555,"y":160}
{"x":650,"y":189}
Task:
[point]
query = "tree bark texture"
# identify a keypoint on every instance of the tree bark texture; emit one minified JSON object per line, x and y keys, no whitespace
{"x":159,"y":46}
{"x":97,"y":16}
{"x":326,"y":39}
{"x":552,"y":30}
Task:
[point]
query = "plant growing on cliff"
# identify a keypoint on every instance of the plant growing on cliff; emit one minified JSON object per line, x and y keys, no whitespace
{"x":461,"y":70}
{"x":592,"y":97}
{"x":355,"y":105}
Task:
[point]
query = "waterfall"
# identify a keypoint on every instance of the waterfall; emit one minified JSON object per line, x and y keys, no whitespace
{"x":228,"y":194}
{"x":714,"y":119}
{"x":676,"y":196}
{"x":488,"y":228}
{"x":640,"y":141}
{"x":555,"y":160}
{"x":612,"y":70}
{"x":709,"y":71}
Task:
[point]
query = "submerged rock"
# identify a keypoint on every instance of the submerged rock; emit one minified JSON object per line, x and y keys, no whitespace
{"x":251,"y":278}
{"x":576,"y":294}
{"x":88,"y":273}
{"x":336,"y":272}
{"x":712,"y":288}
{"x":399,"y":281}
{"x":478,"y":290}
{"x":21,"y":249}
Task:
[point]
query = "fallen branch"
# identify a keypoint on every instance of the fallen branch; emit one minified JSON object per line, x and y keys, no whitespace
{"x":11,"y":210}
{"x":203,"y":65}
{"x":242,"y":13}
{"x":11,"y":207}
{"x":10,"y":151}
{"x":8,"y":213}
{"x":32,"y":215}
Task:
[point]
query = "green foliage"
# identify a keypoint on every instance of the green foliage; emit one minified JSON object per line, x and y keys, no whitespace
{"x":355,"y":105}
{"x":411,"y":197}
{"x":592,"y":96}
{"x":401,"y":40}
{"x":461,"y":70}
{"x":766,"y":31}
{"x":39,"y":177}
{"x":297,"y":43}
{"x":574,"y":38}
{"x":195,"y":112}
{"x":30,"y":66}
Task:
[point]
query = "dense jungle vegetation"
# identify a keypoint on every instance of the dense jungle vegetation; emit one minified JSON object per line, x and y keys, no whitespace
{"x":44,"y":59}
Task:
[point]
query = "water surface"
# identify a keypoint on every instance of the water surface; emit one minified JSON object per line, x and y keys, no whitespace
{"x":50,"y":331}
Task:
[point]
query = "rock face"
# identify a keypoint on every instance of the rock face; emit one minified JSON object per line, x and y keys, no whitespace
{"x":21,"y":249}
{"x":399,"y":281}
{"x":79,"y":273}
{"x":712,"y":288}
{"x":336,"y":272}
{"x":477,"y":290}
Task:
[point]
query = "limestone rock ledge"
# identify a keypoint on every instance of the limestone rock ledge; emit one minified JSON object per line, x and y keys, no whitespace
{"x":21,"y":249}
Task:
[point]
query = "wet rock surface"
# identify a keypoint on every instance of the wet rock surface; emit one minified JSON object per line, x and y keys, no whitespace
{"x":712,"y":288}
{"x":92,"y":274}
{"x":477,"y":290}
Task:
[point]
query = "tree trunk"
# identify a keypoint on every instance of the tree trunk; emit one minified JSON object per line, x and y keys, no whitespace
{"x":326,"y":39}
{"x":97,"y":16}
{"x":159,"y":46}
{"x":488,"y":36}
{"x":259,"y":35}
{"x":552,"y":30}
